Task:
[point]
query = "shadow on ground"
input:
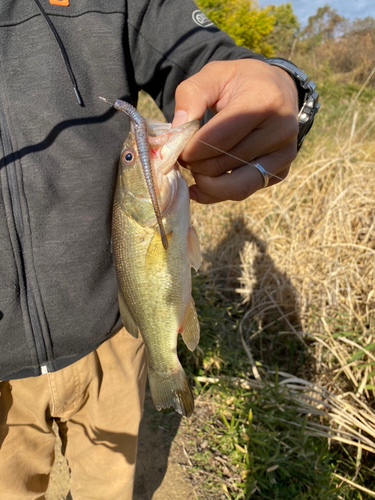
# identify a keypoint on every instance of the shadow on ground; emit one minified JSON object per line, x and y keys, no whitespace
{"x":156,"y":434}
{"x":270,"y":319}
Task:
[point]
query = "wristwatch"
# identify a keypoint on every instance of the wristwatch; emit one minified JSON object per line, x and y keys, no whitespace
{"x":307,"y":95}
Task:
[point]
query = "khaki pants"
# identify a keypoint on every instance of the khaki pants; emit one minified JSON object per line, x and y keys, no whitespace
{"x":97,"y":403}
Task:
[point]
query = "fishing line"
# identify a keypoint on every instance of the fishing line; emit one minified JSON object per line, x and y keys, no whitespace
{"x":239,"y":159}
{"x":333,"y":203}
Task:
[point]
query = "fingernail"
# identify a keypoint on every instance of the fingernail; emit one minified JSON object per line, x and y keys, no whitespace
{"x":180,"y":117}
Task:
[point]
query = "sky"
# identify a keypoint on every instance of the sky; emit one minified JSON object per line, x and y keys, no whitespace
{"x":350,"y":9}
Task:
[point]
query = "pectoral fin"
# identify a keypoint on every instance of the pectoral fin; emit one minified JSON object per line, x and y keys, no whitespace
{"x":127,"y":317}
{"x":194,"y":249}
{"x":190,"y":329}
{"x":156,"y":257}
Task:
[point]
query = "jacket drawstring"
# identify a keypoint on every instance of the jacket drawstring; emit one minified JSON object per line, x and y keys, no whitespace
{"x":62,"y":52}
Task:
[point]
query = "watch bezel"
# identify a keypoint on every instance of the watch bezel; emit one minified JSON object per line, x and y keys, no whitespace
{"x":308,"y":96}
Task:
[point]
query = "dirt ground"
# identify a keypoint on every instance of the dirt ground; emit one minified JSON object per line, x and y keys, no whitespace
{"x":160,"y":462}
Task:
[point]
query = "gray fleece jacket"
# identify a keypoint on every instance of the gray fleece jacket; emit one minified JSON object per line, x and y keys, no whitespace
{"x":58,"y":290}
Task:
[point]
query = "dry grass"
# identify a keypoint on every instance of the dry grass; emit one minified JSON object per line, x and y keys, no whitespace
{"x":301,"y":256}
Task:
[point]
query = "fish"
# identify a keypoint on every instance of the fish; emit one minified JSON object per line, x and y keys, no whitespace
{"x":155,"y":246}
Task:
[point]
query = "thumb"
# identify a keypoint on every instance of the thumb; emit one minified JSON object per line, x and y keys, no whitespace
{"x":197,"y":94}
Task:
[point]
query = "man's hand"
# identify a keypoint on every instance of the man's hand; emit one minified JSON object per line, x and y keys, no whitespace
{"x":256,"y":109}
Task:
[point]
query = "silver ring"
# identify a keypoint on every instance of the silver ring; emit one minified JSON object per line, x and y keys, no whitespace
{"x":265,"y":175}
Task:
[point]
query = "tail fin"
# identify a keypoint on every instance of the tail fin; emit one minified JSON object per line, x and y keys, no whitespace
{"x":171,"y":389}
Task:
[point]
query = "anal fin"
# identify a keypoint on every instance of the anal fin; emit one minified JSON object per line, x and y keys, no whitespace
{"x":194,"y":250}
{"x":127,"y":317}
{"x":190,"y":329}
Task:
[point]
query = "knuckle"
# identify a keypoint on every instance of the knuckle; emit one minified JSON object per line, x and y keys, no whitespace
{"x":290,"y":128}
{"x":213,"y":167}
{"x":183,"y":87}
{"x":193,"y":84}
{"x":274,"y":100}
{"x":281,"y":175}
{"x":284,"y":173}
{"x":278,"y":99}
{"x":290,"y":154}
{"x":187,"y":88}
{"x":213,"y":65}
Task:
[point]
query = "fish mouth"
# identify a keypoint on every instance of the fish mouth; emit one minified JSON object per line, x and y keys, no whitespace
{"x":168,"y":143}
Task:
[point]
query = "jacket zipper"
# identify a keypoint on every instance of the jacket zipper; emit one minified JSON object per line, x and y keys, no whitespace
{"x":14,"y":209}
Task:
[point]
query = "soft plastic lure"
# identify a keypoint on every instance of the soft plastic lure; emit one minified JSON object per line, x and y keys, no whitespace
{"x":140,"y":131}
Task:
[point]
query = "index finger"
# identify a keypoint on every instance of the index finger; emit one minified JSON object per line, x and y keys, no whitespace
{"x":221,"y":133}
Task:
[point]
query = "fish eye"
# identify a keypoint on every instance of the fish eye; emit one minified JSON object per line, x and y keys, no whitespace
{"x":127,"y":157}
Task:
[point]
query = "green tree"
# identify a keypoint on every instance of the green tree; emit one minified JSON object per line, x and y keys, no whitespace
{"x":244,"y":21}
{"x":325,"y":25}
{"x":285,"y":31}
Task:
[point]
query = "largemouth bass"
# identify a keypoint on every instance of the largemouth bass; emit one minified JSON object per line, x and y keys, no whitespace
{"x":153,"y":270}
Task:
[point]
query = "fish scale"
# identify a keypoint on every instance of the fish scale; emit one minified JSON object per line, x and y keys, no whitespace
{"x":155,"y":282}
